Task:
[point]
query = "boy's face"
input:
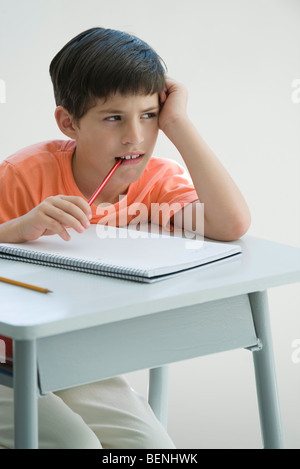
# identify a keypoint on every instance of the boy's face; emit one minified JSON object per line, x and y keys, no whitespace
{"x":121,"y":126}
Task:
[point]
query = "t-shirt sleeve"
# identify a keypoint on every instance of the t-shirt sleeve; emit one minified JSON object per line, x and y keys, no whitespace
{"x":15,"y":199}
{"x":171,"y":193}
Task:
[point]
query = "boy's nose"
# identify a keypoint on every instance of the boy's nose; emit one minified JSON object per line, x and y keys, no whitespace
{"x":133,"y":134}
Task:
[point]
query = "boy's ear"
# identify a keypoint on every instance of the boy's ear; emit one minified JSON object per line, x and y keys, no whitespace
{"x":65,"y":122}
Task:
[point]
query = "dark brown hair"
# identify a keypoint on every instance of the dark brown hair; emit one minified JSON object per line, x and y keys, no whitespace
{"x":100,"y":62}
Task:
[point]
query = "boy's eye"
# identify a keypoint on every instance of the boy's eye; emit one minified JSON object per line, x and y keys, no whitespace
{"x":148,"y":115}
{"x":113,"y":118}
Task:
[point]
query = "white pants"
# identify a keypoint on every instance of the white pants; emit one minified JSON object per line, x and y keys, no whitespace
{"x":108,"y":414}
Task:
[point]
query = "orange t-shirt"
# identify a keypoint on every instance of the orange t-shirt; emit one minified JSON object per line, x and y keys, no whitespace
{"x":45,"y":169}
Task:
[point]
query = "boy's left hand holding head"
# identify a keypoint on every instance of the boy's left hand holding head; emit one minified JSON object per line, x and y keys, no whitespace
{"x":173,"y":100}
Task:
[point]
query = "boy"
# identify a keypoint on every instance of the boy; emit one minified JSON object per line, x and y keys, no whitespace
{"x":112,"y":98}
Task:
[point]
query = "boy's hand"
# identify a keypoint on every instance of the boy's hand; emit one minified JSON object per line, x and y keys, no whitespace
{"x":52,"y":216}
{"x":174,"y":104}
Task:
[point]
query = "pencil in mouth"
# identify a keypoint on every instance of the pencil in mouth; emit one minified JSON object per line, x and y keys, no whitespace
{"x":130,"y":158}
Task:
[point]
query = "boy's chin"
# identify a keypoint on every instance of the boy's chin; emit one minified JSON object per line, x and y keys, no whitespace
{"x":131,"y":175}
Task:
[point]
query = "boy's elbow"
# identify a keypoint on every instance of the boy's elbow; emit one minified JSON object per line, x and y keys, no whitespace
{"x":229,"y":230}
{"x":239,"y":227}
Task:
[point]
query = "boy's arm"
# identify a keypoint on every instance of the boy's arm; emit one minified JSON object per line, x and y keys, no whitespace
{"x":226,"y":214}
{"x":50,"y":217}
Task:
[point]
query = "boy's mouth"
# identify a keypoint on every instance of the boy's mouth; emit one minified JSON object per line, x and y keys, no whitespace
{"x":130,"y":158}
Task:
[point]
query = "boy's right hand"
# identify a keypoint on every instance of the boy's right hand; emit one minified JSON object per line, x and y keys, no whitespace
{"x":52,"y":216}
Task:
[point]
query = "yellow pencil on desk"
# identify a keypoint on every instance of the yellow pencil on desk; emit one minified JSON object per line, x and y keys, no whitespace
{"x":24,"y":285}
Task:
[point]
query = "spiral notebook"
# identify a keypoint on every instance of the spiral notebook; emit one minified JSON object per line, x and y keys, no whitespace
{"x":141,"y":256}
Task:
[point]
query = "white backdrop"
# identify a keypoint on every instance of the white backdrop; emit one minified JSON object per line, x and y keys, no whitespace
{"x":240,"y":62}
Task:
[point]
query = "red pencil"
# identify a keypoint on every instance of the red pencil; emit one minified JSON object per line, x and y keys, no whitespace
{"x":104,"y":182}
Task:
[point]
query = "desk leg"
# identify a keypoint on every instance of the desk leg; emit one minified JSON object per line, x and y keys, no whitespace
{"x":158,"y":393}
{"x":25,"y":394}
{"x":266,"y":384}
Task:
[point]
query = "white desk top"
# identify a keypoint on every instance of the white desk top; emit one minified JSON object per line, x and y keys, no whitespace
{"x":84,"y":300}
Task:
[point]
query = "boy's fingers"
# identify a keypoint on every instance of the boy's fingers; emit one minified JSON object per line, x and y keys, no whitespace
{"x":68,"y":212}
{"x":54,"y":227}
{"x":163,"y":96}
{"x":64,"y":218}
{"x":80,"y":202}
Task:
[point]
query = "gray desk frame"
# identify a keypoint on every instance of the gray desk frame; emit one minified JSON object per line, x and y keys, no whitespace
{"x":60,"y":339}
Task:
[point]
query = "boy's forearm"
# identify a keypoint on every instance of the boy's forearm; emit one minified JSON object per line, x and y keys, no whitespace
{"x":226,"y":214}
{"x":9,"y":232}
